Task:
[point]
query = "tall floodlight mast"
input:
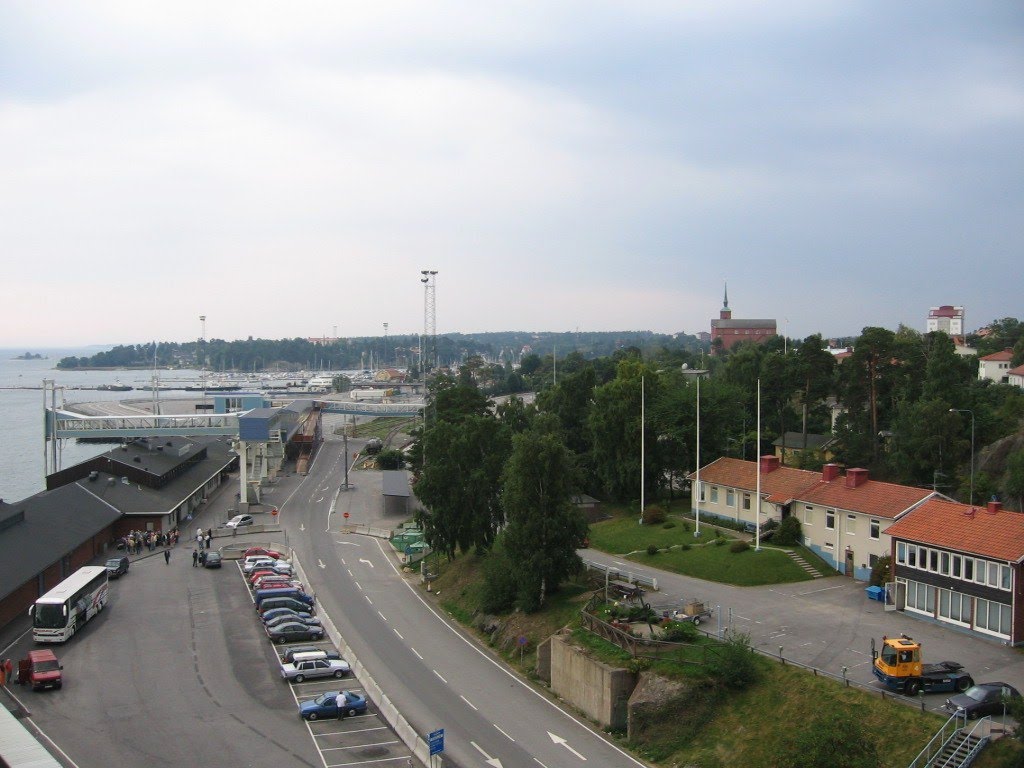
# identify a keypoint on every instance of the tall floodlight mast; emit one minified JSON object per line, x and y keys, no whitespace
{"x":429,"y":281}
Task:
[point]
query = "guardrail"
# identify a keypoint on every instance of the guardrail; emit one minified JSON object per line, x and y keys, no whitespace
{"x":612,"y":572}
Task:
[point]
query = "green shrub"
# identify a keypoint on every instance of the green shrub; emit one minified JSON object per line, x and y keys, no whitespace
{"x":739,"y":546}
{"x":499,"y":584}
{"x":684,"y":547}
{"x":686,"y":526}
{"x":679,"y":632}
{"x":654,"y":516}
{"x":881,"y":572}
{"x":652,"y":549}
{"x":719,"y":541}
{"x":669,"y":524}
{"x":389,"y":458}
{"x":789,"y":533}
{"x":733,"y":663}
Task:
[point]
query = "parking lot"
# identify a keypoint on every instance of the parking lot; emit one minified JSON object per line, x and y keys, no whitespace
{"x":178,"y":668}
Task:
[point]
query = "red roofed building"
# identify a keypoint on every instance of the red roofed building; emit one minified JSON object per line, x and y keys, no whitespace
{"x":728,"y":486}
{"x":961,"y":565}
{"x":1015,"y":377}
{"x":845,"y":518}
{"x":729,"y":332}
{"x":995,"y":367}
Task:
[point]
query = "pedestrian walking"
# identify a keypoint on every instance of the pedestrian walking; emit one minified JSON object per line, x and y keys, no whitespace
{"x":167,"y":557}
{"x":6,"y":669}
{"x":202,"y":558}
{"x":195,"y":557}
{"x":209,"y":537}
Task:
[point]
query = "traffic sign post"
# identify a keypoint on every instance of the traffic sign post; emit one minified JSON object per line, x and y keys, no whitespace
{"x":435,"y":740}
{"x":345,"y":515}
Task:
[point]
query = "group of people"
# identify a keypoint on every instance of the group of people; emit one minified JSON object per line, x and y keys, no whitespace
{"x":203,"y":539}
{"x":135,"y":541}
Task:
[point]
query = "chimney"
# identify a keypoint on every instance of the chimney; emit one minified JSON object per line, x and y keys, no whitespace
{"x":769,"y":463}
{"x":968,"y":512}
{"x":829,"y":472}
{"x":994,"y":507}
{"x":856,"y":477}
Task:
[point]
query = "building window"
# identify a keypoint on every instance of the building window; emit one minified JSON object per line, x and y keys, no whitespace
{"x":830,"y":519}
{"x":968,"y":569}
{"x":944,"y":563}
{"x":714,"y":494}
{"x":875,"y":529}
{"x":730,"y":498}
{"x":992,"y":617}
{"x":1004,"y":577}
{"x":851,"y":524}
{"x":808,"y":515}
{"x":979,"y":571}
{"x":920,"y":598}
{"x":872,"y":560}
{"x":993,"y":575}
{"x":912,"y":556}
{"x":702,"y":492}
{"x":957,"y":560}
{"x":746,"y":501}
{"x":901,"y":552}
{"x":954,"y":606}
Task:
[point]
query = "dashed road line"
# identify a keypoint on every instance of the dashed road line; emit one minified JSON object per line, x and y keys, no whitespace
{"x":417,"y":654}
{"x":439,"y":675}
{"x":399,"y":635}
{"x":470,"y":703}
{"x":503,"y":733}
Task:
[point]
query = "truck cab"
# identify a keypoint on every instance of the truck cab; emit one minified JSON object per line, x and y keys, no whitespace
{"x":40,"y":669}
{"x":900,"y":658}
{"x":898,"y":666}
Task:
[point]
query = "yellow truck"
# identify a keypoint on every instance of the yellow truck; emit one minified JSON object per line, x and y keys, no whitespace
{"x":898,"y":666}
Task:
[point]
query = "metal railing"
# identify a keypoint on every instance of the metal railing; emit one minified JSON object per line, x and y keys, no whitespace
{"x":612,"y":572}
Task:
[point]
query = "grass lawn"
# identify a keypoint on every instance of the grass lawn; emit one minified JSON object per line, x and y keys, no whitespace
{"x":623,"y":535}
{"x":717,"y":563}
{"x":379,"y":427}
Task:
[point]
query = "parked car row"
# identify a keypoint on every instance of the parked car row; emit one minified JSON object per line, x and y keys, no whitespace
{"x":288,"y":615}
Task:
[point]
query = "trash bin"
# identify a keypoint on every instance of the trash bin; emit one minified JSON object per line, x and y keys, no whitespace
{"x":876,"y":593}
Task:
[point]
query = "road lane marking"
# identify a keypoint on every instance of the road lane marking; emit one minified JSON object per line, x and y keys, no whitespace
{"x":363,"y":560}
{"x":368,"y":599}
{"x":471,"y":704}
{"x":418,"y":654}
{"x":442,"y":679}
{"x":399,"y":635}
{"x":382,"y":615}
{"x":632,"y":760}
{"x":503,"y":733}
{"x":359,"y":586}
{"x":559,"y":740}
{"x":538,"y":762}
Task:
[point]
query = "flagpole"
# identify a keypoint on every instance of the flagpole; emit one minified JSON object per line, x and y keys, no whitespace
{"x":642,"y":447}
{"x":757,"y":507}
{"x":695,"y":492}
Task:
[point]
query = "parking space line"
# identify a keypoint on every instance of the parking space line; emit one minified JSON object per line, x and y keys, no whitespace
{"x":366,"y":762}
{"x":356,"y":730}
{"x":360,"y":746}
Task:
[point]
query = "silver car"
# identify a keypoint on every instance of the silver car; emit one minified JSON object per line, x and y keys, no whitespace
{"x":307,"y":670}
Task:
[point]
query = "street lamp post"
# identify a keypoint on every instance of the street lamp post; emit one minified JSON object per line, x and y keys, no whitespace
{"x":968,"y":410}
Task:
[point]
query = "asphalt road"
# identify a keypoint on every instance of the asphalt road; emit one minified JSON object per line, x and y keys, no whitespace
{"x":438,"y":677}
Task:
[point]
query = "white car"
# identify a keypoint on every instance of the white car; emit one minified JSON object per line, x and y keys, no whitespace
{"x":282,"y":567}
{"x":303,"y":670}
{"x":238,"y":521}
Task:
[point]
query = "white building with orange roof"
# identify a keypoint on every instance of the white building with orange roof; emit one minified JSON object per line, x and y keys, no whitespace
{"x":995,"y":367}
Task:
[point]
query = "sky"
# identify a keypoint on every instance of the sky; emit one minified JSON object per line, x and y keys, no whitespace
{"x":288,"y":169}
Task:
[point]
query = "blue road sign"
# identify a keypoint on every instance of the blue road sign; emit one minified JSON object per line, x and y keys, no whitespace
{"x":435,"y":740}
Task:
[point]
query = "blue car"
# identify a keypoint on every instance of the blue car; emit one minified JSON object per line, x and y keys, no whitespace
{"x":333,"y":704}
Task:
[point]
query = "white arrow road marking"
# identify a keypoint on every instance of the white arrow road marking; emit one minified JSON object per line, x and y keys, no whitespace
{"x":302,"y":527}
{"x":560,"y":740}
{"x":319,"y":500}
{"x":321,"y":563}
{"x":492,"y":761}
{"x":361,"y":560}
{"x":350,"y":543}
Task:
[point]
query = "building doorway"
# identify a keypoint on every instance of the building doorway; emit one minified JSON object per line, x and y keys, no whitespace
{"x":849,"y":563}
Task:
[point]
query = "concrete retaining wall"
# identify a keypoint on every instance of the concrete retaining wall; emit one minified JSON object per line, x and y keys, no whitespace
{"x":596,"y":689}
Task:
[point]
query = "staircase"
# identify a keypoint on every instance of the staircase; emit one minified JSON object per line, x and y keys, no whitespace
{"x":960,"y":750}
{"x":954,"y":746}
{"x":807,"y":567}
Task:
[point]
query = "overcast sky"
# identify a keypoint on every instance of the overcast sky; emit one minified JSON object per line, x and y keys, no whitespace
{"x":287,"y":169}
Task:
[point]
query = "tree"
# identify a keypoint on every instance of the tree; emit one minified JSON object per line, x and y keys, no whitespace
{"x":815,"y":368}
{"x":1015,"y":477}
{"x":544,"y":527}
{"x":459,"y":485}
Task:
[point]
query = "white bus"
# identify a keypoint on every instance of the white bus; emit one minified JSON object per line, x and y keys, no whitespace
{"x":62,"y":611}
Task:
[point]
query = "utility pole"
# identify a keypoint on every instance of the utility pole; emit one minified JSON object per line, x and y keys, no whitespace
{"x":385,"y":345}
{"x":429,"y":281}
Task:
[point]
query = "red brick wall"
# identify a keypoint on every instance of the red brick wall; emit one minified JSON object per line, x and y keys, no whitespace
{"x":16,"y":604}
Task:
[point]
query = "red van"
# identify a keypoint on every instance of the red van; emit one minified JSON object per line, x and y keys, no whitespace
{"x":40,"y":669}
